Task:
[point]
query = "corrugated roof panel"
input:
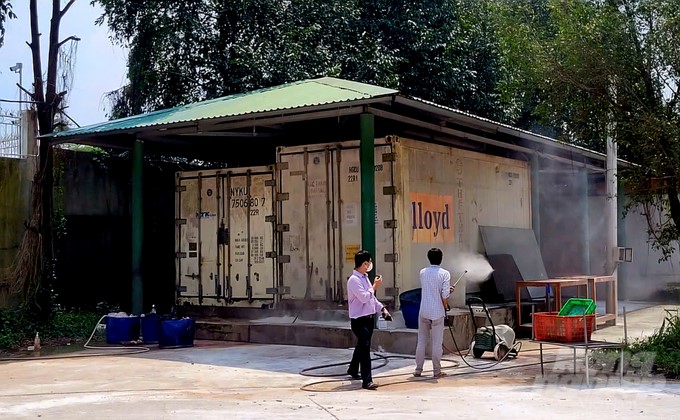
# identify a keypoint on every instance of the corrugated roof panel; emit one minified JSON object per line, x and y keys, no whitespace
{"x":311,"y":92}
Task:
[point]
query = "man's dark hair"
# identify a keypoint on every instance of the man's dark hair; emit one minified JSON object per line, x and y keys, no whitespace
{"x":435,"y":256}
{"x":361,"y":257}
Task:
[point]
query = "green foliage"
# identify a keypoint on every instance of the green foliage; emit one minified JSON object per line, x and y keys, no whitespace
{"x":184,"y":51}
{"x":6,"y":13}
{"x":658,"y":353}
{"x":664,"y":344}
{"x":19,"y":324}
{"x":75,"y":324}
{"x":598,"y":69}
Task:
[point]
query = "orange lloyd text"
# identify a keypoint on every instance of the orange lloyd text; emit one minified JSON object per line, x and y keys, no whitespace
{"x":427,"y":219}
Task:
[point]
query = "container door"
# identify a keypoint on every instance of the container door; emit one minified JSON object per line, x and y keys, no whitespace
{"x":197,"y":269}
{"x":349,"y":211}
{"x":307,"y":217}
{"x":249,"y":229}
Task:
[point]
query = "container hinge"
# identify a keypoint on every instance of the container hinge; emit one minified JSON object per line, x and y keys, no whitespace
{"x":392,"y":291}
{"x":181,"y":288}
{"x":282,"y":196}
{"x":180,"y":188}
{"x":270,"y":183}
{"x":390,"y":224}
{"x":391,"y":190}
{"x":180,"y":254}
{"x":270,"y":219}
{"x":389,"y":157}
{"x":392,"y":258}
{"x":180,"y":222}
{"x":283,"y":259}
{"x":283,"y":228}
{"x":281,"y":166}
{"x":282,"y":290}
{"x":270,"y":254}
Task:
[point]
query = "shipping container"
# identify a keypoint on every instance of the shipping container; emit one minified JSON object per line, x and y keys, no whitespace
{"x":225,"y":236}
{"x":427,"y":195}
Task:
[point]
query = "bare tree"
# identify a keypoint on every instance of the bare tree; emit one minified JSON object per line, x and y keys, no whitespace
{"x":35,"y":258}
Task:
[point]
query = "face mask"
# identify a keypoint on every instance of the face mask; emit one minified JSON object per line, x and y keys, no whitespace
{"x":370,"y":267}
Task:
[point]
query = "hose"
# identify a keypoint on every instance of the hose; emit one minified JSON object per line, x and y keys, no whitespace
{"x":307,"y":387}
{"x":485,"y":365}
{"x":118,"y":350}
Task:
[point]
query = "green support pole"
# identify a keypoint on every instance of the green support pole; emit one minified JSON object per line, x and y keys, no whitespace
{"x":137,"y":226}
{"x":367,"y":162}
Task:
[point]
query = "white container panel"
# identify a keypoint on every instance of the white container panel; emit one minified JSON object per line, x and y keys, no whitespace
{"x":322,"y":242}
{"x":188,"y":209}
{"x":207,"y":243}
{"x":235,"y":200}
{"x":309,"y":241}
{"x":349,"y":210}
{"x":445,"y":194}
{"x":250,"y":236}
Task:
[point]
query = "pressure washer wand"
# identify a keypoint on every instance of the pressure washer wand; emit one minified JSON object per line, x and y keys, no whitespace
{"x":461,"y":276}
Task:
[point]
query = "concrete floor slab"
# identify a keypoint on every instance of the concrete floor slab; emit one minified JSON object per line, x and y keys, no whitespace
{"x":217,"y":380}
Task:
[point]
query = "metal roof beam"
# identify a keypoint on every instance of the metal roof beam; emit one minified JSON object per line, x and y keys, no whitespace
{"x":474,"y":137}
{"x":256,"y":121}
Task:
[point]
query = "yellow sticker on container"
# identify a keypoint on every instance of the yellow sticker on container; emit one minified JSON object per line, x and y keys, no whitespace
{"x":431,"y":217}
{"x":350,"y":251}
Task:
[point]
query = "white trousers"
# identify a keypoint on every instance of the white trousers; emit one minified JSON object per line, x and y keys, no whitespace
{"x":434,"y":330}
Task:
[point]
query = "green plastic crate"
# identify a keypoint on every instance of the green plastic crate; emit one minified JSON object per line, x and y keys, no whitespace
{"x":577,"y":306}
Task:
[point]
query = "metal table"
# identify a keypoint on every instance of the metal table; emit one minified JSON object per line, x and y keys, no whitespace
{"x":588,"y":345}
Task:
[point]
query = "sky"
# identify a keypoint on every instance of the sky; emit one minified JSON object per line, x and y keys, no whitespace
{"x":99,"y":68}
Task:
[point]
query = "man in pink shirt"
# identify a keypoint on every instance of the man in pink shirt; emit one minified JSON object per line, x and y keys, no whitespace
{"x":363,"y":305}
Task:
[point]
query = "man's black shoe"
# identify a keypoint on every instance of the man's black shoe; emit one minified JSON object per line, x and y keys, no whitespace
{"x":370,"y":385}
{"x":354,"y":375}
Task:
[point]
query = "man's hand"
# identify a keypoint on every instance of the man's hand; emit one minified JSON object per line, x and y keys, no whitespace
{"x":452,"y":289}
{"x":386,"y":315}
{"x":377,"y":282}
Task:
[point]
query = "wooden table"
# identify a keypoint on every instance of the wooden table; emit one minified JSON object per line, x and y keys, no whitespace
{"x":556,"y":284}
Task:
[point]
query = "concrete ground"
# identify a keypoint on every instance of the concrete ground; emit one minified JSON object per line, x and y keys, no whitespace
{"x":244,"y":381}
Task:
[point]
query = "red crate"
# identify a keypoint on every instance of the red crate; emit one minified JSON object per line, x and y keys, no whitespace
{"x":549,"y":326}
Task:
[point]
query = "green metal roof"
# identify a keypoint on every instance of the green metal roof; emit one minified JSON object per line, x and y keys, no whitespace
{"x":312,"y":92}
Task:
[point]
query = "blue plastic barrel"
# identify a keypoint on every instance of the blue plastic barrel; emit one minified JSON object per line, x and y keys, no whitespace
{"x":175,"y":333}
{"x":121,"y":329}
{"x":151,"y":326}
{"x":410,"y":307}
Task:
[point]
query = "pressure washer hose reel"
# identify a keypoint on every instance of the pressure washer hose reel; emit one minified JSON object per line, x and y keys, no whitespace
{"x":498,"y":339}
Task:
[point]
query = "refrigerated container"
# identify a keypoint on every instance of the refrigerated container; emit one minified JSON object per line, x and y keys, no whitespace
{"x":225,"y":236}
{"x":427,"y":195}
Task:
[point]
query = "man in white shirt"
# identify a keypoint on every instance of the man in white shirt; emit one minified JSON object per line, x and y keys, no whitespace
{"x":435,"y":283}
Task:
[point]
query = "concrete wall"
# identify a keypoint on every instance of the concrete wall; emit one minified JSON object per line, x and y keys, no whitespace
{"x":15,"y":188}
{"x":570,"y":246}
{"x":94,"y":255}
{"x":16,"y":176}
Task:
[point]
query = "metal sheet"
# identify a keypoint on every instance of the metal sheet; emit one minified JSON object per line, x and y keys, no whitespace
{"x":522,"y":245}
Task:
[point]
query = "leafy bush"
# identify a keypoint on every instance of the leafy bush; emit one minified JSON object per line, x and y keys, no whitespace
{"x":658,"y":353}
{"x":664,"y":344}
{"x":18,"y":325}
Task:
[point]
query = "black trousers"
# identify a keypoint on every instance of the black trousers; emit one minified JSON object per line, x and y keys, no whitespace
{"x":363,"y":330}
